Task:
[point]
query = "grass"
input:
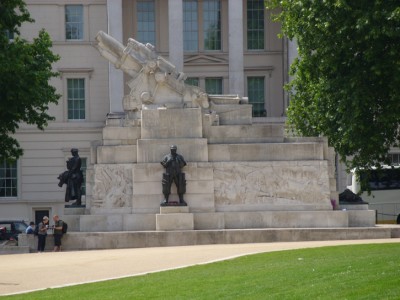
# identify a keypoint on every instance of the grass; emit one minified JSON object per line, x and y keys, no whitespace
{"x":342,"y":272}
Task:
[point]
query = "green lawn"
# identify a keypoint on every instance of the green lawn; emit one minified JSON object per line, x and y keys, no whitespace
{"x":344,"y":272}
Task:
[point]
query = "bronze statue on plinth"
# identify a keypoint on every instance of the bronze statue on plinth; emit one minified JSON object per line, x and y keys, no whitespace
{"x":73,"y":178}
{"x":173,"y":164}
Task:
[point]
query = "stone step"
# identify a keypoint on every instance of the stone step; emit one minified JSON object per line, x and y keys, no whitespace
{"x":11,"y":247}
{"x":120,"y":135}
{"x":265,"y":152}
{"x":126,"y":221}
{"x":121,"y":154}
{"x":261,"y":133}
{"x":141,"y":239}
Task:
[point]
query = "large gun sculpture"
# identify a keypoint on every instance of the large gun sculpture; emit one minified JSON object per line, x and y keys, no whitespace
{"x":154,"y":79}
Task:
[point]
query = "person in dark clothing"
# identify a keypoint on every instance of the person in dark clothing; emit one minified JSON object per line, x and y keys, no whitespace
{"x":30,"y":228}
{"x":42,"y":234}
{"x":58,"y":225}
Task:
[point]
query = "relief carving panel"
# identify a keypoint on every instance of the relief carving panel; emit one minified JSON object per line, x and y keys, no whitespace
{"x":113,"y":186}
{"x":271,"y":183}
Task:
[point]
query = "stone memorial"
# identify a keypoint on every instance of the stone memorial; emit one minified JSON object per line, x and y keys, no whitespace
{"x":239,"y":174}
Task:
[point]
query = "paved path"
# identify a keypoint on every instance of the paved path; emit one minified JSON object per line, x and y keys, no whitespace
{"x":19,"y":272}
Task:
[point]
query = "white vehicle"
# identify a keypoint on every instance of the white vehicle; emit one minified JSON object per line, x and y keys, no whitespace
{"x":385,"y":193}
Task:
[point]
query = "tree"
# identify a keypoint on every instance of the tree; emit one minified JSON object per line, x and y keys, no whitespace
{"x":347,"y":76}
{"x":25,"y":71}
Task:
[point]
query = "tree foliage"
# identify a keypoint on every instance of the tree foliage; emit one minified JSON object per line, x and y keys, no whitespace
{"x":25,"y":71}
{"x":347,"y":76}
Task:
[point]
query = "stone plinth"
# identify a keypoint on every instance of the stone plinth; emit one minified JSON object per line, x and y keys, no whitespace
{"x":74,"y":210}
{"x":349,"y":206}
{"x":171,"y":123}
{"x":174,"y":209}
{"x":361,"y":218}
{"x":172,"y":218}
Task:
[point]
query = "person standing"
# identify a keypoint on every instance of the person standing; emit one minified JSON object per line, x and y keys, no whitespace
{"x":30,"y":228}
{"x":42,"y":234}
{"x":57,"y":233}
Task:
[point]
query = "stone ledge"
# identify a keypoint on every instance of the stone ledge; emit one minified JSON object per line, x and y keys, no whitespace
{"x":174,"y":209}
{"x":174,"y":222}
{"x":136,"y":239}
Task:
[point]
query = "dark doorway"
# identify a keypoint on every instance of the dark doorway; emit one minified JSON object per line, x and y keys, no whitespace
{"x":39,"y":214}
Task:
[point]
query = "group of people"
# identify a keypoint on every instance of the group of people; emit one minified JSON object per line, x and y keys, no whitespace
{"x":42,"y":229}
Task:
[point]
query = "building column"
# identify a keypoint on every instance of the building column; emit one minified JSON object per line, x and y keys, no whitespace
{"x":116,"y":77}
{"x":236,"y":71}
{"x":175,"y":30}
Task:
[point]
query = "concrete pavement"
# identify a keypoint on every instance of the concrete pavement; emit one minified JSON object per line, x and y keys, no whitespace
{"x":18,"y":271}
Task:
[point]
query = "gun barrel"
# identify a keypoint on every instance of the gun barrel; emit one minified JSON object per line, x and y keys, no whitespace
{"x":113,"y":51}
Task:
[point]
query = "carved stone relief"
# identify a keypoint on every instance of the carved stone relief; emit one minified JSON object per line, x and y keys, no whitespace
{"x":273,"y":183}
{"x":113,"y":186}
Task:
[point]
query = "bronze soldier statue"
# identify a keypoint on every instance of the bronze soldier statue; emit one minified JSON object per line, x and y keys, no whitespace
{"x":73,"y":178}
{"x":173,"y":163}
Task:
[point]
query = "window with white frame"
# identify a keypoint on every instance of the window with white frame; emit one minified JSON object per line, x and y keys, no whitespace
{"x":204,"y":14}
{"x":8,"y":179}
{"x":146,"y":21}
{"x":74,"y":22}
{"x":76,"y":99}
{"x":255,"y":24}
{"x":214,"y":86}
{"x":256,"y":95}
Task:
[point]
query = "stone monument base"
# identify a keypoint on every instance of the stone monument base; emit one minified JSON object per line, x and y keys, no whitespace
{"x":74,"y":241}
{"x":219,"y":220}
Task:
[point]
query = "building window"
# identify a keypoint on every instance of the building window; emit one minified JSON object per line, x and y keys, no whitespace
{"x":394,"y":159}
{"x":76,"y":98}
{"x":145,"y":15}
{"x":190,"y":25}
{"x":205,"y":14}
{"x":214,"y":86}
{"x":192,"y":81}
{"x":8,"y":179}
{"x":256,"y":94}
{"x":255,"y":24}
{"x":74,"y":22}
{"x":212,"y":24}
{"x":9,"y":34}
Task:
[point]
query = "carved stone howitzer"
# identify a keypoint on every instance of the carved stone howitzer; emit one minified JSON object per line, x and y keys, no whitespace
{"x":154,"y":79}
